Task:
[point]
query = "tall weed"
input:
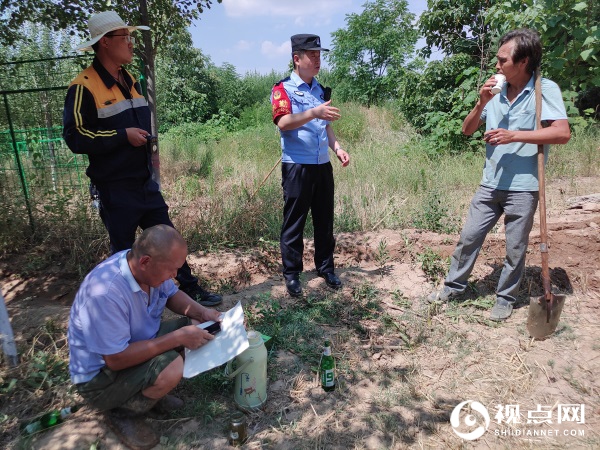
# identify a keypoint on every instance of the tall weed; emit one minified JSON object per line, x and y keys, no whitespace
{"x":226,"y":190}
{"x":434,"y":215}
{"x":579,"y":157}
{"x":350,"y":129}
{"x":393,"y":181}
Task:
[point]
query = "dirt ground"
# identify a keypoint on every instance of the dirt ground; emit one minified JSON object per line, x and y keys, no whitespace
{"x":408,"y":400}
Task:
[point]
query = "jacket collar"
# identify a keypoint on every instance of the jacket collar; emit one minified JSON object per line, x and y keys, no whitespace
{"x":107,"y":78}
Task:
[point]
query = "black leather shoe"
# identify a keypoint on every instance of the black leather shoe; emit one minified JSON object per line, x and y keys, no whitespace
{"x":202,"y":296}
{"x":332,"y":280}
{"x":294,"y":287}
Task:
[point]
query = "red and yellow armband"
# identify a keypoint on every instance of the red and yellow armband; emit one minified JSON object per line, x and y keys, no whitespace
{"x":280,"y":101}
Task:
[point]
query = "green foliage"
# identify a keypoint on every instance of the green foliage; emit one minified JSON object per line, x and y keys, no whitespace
{"x":382,"y":256}
{"x":46,"y":370}
{"x":457,"y":27}
{"x":230,"y":98}
{"x":348,"y":221}
{"x":570,"y":33}
{"x":211,"y":130}
{"x":165,"y":16}
{"x":437,"y":101}
{"x":185,"y":88}
{"x":351,"y":128}
{"x":256,"y":115}
{"x":191,"y":89}
{"x":204,"y":389}
{"x":468,"y":32}
{"x":300,"y":328}
{"x":434,"y":215}
{"x":367,"y":55}
{"x":578,"y":158}
{"x":256,"y":87}
{"x":293,"y":329}
{"x":432,"y":264}
{"x":35,"y":109}
{"x":366,"y":298}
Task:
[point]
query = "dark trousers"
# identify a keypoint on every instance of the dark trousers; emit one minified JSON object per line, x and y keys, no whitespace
{"x":125,"y":207}
{"x":307,"y":187}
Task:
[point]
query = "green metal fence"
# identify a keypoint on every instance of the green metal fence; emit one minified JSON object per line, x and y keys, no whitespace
{"x":39,"y":175}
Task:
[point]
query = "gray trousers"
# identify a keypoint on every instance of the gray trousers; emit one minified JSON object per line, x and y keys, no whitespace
{"x":486,"y":208}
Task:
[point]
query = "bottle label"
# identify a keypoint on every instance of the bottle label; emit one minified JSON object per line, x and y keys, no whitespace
{"x":234,"y":435}
{"x":327,"y":351}
{"x":33,"y":427}
{"x":327,"y":378}
{"x":65,"y":412}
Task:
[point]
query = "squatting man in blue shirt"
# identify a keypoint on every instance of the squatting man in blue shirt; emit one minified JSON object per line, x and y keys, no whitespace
{"x":510,"y":183}
{"x":123,"y":359}
{"x":302,"y":110}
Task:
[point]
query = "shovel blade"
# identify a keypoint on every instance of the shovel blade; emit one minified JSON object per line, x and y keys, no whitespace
{"x":537,"y":321}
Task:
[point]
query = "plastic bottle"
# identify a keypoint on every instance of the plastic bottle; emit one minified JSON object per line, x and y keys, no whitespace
{"x":327,"y":369}
{"x":49,"y":419}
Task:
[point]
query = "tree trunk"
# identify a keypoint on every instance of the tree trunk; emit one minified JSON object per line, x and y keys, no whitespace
{"x":148,"y":58}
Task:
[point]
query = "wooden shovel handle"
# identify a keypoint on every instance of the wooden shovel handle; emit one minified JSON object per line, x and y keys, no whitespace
{"x":542,"y":189}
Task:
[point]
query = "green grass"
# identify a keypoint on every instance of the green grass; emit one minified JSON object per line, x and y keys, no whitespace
{"x":393,"y":181}
{"x":434,"y":266}
{"x":220,"y":193}
{"x":382,"y":187}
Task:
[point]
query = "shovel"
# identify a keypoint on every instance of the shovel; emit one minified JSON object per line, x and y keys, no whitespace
{"x":544,"y":312}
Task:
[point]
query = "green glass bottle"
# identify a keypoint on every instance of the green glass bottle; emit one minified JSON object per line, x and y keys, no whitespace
{"x":327,"y":369}
{"x":49,"y":419}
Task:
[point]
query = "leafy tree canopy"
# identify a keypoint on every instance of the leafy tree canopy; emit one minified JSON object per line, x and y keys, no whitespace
{"x":372,"y":49}
{"x":437,"y":99}
{"x":184,"y":84}
{"x":570,"y":35}
{"x":164,"y":16}
{"x":457,"y":27}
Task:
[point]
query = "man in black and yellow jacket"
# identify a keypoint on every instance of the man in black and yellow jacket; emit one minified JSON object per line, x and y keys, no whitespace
{"x":107,"y":118}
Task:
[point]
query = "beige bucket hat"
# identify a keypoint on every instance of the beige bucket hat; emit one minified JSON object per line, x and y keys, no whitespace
{"x":102,"y":23}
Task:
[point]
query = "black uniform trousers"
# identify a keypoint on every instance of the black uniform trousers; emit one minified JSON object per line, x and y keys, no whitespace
{"x":307,"y":187}
{"x":126,"y":206}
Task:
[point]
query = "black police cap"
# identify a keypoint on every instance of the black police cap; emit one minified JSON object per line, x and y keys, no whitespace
{"x":306,"y":42}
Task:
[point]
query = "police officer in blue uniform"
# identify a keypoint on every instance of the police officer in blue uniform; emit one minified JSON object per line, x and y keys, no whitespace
{"x":303,"y":113}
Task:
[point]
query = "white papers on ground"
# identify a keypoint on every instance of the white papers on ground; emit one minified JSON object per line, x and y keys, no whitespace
{"x":227,"y":344}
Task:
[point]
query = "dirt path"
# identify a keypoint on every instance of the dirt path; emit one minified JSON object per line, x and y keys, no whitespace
{"x":408,"y":400}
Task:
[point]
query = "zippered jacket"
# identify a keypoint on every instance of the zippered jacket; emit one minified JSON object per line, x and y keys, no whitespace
{"x":97,"y":112}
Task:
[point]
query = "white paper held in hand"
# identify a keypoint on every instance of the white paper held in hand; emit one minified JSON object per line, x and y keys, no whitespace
{"x":227,"y":344}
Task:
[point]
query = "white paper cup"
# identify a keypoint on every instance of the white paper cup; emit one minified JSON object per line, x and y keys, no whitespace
{"x":500,"y":80}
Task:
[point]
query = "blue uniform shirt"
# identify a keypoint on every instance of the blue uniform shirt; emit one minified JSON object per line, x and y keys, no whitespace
{"x":513,"y":167}
{"x":111,"y":311}
{"x":307,"y":144}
